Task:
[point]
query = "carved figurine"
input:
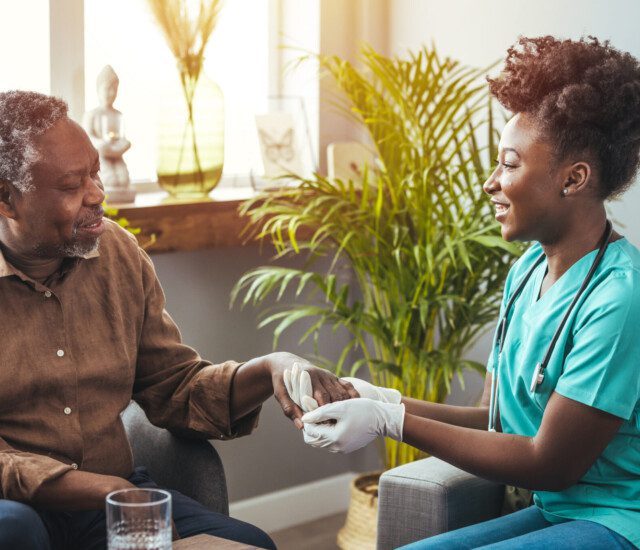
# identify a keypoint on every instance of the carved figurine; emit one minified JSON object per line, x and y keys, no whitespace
{"x":104,"y":125}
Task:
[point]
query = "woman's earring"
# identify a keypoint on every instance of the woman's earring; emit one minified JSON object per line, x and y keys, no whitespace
{"x":565,"y":192}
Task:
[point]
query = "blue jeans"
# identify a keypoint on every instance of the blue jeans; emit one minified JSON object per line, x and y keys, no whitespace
{"x":526,"y":530}
{"x":27,"y":529}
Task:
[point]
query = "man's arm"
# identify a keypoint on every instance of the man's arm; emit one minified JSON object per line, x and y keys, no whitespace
{"x":77,"y":490}
{"x":43,"y":481}
{"x":181,"y":392}
{"x":571,"y":437}
{"x":256,"y":380}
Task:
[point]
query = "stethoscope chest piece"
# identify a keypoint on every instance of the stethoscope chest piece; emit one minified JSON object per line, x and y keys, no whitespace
{"x":537,"y":378}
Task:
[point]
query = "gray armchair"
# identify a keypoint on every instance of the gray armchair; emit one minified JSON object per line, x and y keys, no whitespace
{"x":191,"y":466}
{"x":428,"y":497}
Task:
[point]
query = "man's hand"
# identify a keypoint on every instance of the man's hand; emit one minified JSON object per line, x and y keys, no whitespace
{"x":327,"y":388}
{"x":353,"y":424}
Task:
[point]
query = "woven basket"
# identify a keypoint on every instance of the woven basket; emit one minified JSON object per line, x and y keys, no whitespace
{"x":360,"y":529}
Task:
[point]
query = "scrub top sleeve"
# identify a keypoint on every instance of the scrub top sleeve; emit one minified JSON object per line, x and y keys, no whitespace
{"x":601,"y":369}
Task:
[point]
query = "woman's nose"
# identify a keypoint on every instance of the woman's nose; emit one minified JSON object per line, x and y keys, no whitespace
{"x":491,"y":185}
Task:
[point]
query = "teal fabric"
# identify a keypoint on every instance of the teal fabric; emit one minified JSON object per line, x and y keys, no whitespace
{"x":596,"y":361}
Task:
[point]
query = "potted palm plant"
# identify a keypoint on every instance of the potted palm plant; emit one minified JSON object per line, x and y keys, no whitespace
{"x":417,"y":262}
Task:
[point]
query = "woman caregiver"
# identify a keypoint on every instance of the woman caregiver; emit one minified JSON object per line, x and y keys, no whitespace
{"x":564,"y":410}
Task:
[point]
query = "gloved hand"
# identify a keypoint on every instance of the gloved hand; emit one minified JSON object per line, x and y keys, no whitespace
{"x":298,"y":384}
{"x":353,"y":424}
{"x":365,"y":389}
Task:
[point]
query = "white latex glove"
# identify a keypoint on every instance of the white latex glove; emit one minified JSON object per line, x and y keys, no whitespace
{"x":298,"y":384}
{"x":365,"y":389}
{"x":355,"y":423}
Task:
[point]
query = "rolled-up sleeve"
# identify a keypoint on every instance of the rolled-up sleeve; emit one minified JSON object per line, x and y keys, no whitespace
{"x":22,"y":473}
{"x":177,"y":389}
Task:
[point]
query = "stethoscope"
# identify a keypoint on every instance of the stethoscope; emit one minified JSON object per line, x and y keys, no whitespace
{"x":501,"y":332}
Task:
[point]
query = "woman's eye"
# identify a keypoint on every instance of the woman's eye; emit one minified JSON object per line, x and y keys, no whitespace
{"x":506,"y":165}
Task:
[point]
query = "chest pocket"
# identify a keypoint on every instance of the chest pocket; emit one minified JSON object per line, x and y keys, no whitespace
{"x":27,"y":355}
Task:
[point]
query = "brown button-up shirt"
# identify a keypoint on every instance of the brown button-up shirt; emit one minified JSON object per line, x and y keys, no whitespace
{"x":73,"y":353}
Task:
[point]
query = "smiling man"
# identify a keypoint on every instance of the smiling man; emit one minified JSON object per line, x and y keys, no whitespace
{"x":84,"y":331}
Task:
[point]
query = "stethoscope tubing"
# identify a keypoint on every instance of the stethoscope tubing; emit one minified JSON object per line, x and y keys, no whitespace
{"x":501,"y":333}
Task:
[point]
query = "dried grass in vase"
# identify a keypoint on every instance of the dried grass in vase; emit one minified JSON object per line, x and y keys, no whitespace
{"x":187,"y":31}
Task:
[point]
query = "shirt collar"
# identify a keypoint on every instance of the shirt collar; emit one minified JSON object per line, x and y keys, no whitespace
{"x":6,"y":269}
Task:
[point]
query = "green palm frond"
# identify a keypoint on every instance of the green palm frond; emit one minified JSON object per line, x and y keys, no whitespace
{"x":416,"y":260}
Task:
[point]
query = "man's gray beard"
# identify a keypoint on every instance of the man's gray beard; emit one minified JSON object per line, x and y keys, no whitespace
{"x":79,"y":250}
{"x":75,"y":250}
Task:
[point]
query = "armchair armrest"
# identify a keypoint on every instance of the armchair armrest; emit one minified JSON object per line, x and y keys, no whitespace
{"x":191,"y":466}
{"x":428,"y":497}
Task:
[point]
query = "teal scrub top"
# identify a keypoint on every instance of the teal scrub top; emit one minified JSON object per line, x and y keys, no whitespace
{"x":596,"y":361}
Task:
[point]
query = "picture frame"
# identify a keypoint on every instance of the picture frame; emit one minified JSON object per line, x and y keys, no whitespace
{"x":284,"y":141}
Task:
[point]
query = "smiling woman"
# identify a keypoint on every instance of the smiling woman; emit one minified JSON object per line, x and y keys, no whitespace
{"x":563,"y":383}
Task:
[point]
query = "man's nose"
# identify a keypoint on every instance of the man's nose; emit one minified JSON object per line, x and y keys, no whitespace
{"x":95,"y":192}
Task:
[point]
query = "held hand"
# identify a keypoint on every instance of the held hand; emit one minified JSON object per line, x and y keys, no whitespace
{"x":353,"y":424}
{"x":365,"y":389}
{"x":325,"y":386}
{"x":299,"y":387}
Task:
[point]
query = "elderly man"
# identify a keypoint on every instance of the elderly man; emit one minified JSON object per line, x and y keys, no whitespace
{"x":84,"y":331}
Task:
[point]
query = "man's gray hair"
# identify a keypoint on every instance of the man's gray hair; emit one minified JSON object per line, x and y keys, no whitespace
{"x":23,"y":117}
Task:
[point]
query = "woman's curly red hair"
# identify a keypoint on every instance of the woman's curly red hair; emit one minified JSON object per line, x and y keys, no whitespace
{"x":586,"y":96}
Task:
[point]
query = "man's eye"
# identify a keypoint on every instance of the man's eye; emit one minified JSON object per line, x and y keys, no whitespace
{"x":72,"y":186}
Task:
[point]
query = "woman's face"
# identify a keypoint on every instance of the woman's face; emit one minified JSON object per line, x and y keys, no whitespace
{"x":525,"y":186}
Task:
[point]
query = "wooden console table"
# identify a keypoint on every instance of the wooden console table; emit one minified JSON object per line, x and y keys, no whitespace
{"x":188,"y":225}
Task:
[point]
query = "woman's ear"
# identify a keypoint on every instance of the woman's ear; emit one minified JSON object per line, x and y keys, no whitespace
{"x":7,"y":199}
{"x":577,"y":177}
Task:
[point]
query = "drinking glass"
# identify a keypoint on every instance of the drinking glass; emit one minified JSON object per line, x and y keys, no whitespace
{"x":139,"y":519}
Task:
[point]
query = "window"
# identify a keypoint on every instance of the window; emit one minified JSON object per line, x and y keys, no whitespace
{"x":60,"y":46}
{"x":123,"y":34}
{"x":24,"y":63}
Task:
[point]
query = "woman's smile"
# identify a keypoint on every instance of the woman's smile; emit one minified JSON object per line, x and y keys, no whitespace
{"x":501,"y":209}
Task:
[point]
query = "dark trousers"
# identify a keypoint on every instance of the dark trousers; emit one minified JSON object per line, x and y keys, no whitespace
{"x":27,"y":529}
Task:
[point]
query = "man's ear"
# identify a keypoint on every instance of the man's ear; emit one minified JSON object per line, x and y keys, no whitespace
{"x":577,"y":177}
{"x":7,"y":199}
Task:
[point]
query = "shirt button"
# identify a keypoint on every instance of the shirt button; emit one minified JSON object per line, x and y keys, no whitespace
{"x":67,"y":410}
{"x":47,"y":293}
{"x":74,"y":466}
{"x":60,"y":353}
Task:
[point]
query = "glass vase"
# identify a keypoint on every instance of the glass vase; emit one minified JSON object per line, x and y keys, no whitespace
{"x":191,"y":138}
